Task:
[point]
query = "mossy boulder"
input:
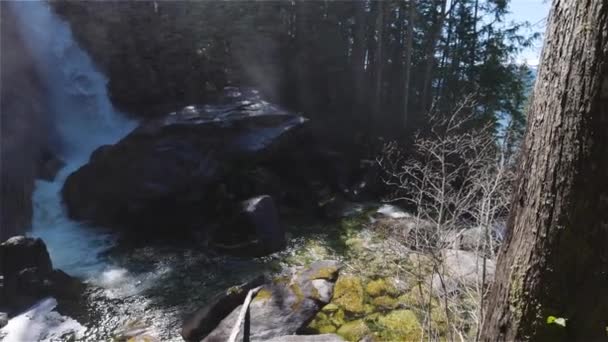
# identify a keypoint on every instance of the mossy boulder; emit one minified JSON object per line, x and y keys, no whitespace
{"x":337,"y":318}
{"x":331,"y":307}
{"x":263,"y":294}
{"x":400,"y":325}
{"x":354,"y":331}
{"x":385,"y":303}
{"x":327,"y":270}
{"x":283,"y":308}
{"x":349,"y":294}
{"x":327,"y":329}
{"x":419,"y":298}
{"x":381,"y":287}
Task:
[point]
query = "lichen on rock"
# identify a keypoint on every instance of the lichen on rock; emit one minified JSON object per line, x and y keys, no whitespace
{"x":263,"y":294}
{"x":385,"y":302}
{"x":381,"y":287}
{"x":400,"y":325}
{"x":354,"y":331}
{"x":349,"y":294}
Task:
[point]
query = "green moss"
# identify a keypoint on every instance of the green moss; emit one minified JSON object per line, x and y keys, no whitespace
{"x":400,"y":325}
{"x":385,"y":302}
{"x":372,"y":318}
{"x":348,"y":294}
{"x":327,"y":329}
{"x":282,"y":280}
{"x":331,"y":307}
{"x":297,"y":291}
{"x":439,"y":320}
{"x":381,"y":287}
{"x":234,"y":290}
{"x":418,"y":297}
{"x":263,"y":294}
{"x":328,"y":272}
{"x":337,"y":318}
{"x":354,"y":331}
{"x":354,"y":244}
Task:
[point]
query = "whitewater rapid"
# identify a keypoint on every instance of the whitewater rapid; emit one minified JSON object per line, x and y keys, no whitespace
{"x":83,"y":119}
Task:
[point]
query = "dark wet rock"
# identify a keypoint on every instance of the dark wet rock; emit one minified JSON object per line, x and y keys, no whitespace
{"x":207,"y":318}
{"x":3,"y":319}
{"x":49,"y":165}
{"x":258,"y":219}
{"x":20,"y":252}
{"x":285,"y":306}
{"x":178,"y":171}
{"x":308,"y":338}
{"x":28,"y":276}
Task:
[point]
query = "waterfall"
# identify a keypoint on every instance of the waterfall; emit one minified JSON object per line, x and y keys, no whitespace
{"x":83,"y":119}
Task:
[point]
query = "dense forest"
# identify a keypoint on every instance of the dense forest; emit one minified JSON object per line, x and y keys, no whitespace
{"x":372,"y":67}
{"x":371,"y":170}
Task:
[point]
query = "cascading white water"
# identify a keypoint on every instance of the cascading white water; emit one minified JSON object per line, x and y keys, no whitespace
{"x":84,"y":119}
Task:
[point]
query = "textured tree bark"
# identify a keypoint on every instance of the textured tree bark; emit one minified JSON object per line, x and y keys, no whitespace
{"x":555,"y":258}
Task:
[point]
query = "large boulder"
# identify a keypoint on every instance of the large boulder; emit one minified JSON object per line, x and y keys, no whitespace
{"x":256,"y":222}
{"x":207,"y":318}
{"x":285,"y":306}
{"x":177,"y":171}
{"x":462,"y":269}
{"x":19,"y":253}
{"x":28,"y":276}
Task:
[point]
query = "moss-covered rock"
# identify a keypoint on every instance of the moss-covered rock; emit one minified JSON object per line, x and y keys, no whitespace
{"x":439,"y":320}
{"x":327,"y":329}
{"x":400,"y":325}
{"x":327,"y":272}
{"x":385,"y":303}
{"x":263,"y":294}
{"x":354,"y":331}
{"x":355,"y":244}
{"x":337,"y":318}
{"x":348,"y":294}
{"x":369,"y":308}
{"x":418,"y":297}
{"x":297,"y":291}
{"x":381,"y":287}
{"x":331,"y":307}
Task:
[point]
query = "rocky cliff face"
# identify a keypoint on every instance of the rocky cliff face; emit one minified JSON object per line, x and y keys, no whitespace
{"x":24,"y":122}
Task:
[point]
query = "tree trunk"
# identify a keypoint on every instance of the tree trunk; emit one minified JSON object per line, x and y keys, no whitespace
{"x":305,"y":98}
{"x":379,"y":61}
{"x":358,"y":59}
{"x":555,"y":258}
{"x":430,"y":56}
{"x":407,"y":68}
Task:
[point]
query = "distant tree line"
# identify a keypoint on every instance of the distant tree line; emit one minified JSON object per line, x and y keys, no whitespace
{"x":371,"y":67}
